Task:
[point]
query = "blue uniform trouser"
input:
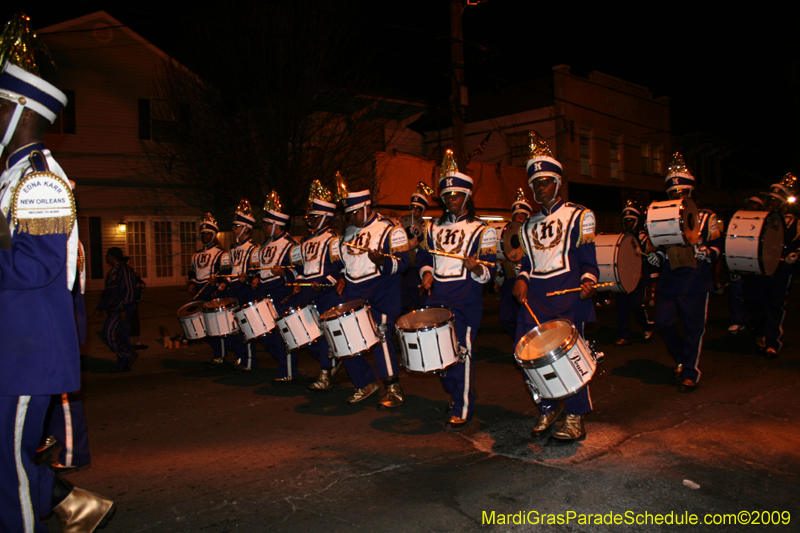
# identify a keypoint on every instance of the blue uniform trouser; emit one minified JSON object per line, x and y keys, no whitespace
{"x":26,"y":490}
{"x":768,"y":295}
{"x":692,"y":310}
{"x":458,"y":379}
{"x":736,"y":302}
{"x":318,"y":349}
{"x":68,"y":426}
{"x":410,"y":298}
{"x":218,"y":345}
{"x":632,"y":302}
{"x":359,"y":369}
{"x":245,"y":351}
{"x":509,"y":308}
{"x":117,"y":333}
{"x":287,"y":361}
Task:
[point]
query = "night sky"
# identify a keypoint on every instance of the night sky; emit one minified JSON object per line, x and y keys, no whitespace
{"x":733,"y":73}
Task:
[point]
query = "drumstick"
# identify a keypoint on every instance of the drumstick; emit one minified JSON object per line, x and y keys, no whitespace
{"x":578,"y":289}
{"x":368,"y":250}
{"x":200,"y":290}
{"x":454,"y":256}
{"x":309,"y":284}
{"x":538,"y":324}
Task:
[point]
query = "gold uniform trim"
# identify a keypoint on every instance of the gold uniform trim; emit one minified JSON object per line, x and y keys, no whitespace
{"x":43,"y":226}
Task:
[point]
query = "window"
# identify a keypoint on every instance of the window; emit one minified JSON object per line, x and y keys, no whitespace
{"x":137,"y":246}
{"x":65,"y":121}
{"x":162,"y":120}
{"x":651,"y":159}
{"x":586,"y":152}
{"x":614,"y":155}
{"x":647,"y":167}
{"x":188,"y":245}
{"x":162,"y":238}
{"x":657,"y":160}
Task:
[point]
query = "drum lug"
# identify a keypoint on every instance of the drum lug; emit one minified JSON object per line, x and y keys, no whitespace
{"x":597,"y":356}
{"x":463,"y":353}
{"x":537,"y":398}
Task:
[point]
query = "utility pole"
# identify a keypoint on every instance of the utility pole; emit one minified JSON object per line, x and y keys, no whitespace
{"x":458,"y":93}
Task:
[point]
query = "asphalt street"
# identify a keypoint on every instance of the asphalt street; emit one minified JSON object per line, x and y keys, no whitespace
{"x":181,"y":447}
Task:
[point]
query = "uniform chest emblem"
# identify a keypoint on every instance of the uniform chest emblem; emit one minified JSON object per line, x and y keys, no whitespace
{"x":362,"y":241}
{"x":311,"y":251}
{"x":450,"y":240}
{"x":545,"y":237}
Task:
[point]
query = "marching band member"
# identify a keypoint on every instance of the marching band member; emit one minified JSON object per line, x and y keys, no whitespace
{"x":39,"y":352}
{"x":373,"y":275}
{"x":275,"y":261}
{"x":769,"y":293}
{"x":633,"y":217}
{"x":559,"y":254}
{"x":119,"y":303}
{"x":508,"y":268}
{"x":683,"y":290}
{"x":320,"y":269}
{"x":412,"y":297}
{"x":737,"y":283}
{"x":208,"y":263}
{"x":458,"y":283}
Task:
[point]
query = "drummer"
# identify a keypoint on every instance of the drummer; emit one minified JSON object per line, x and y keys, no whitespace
{"x":633,"y":217}
{"x":558,"y":243}
{"x":685,"y":283}
{"x":242,"y":255}
{"x":208,"y":263}
{"x":737,"y":283}
{"x":373,"y":276}
{"x":313,"y":264}
{"x":769,"y":293}
{"x":412,"y":297}
{"x":508,"y":268}
{"x":458,"y":283}
{"x":275,"y":262}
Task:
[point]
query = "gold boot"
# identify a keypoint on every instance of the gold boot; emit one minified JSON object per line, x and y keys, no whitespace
{"x":545,"y":421}
{"x":363,"y":394}
{"x":394,"y":396}
{"x":323,"y":381}
{"x":83,"y":511}
{"x":571,"y":429}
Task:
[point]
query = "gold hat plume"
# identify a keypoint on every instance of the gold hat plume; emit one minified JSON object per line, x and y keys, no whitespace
{"x":18,"y":44}
{"x":341,"y":187}
{"x":537,"y":146}
{"x":520,"y":196}
{"x":318,"y":191}
{"x":424,"y":189}
{"x":789,"y":181}
{"x":678,"y":165}
{"x":244,"y":207}
{"x":273,"y":202}
{"x":448,"y":163}
{"x":209,"y":218}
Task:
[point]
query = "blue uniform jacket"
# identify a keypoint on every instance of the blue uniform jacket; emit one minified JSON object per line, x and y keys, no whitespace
{"x":119,"y":291}
{"x":687,"y":280}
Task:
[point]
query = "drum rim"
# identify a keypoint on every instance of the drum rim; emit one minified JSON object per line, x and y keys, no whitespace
{"x":347,"y":313}
{"x":450,"y":320}
{"x":253,"y":303}
{"x":553,"y":355}
{"x":230,"y":306}
{"x":295,"y":310}
{"x":200,"y":306}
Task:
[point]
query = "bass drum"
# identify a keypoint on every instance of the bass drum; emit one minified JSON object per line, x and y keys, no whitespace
{"x":754,"y":242}
{"x":673,"y":223}
{"x":619,"y":259}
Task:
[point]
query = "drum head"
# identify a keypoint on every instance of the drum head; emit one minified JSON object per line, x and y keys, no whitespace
{"x":545,"y":343}
{"x":191,"y":309}
{"x":430,"y":317}
{"x":219,"y":304}
{"x":629,"y":263}
{"x":413,"y":228}
{"x":343,"y":309}
{"x":690,"y":221}
{"x":771,"y":247}
{"x":512,"y":247}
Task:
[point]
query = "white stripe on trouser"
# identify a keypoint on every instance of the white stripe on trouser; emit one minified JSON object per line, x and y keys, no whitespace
{"x":22,"y":476}
{"x":588,"y":395}
{"x":249,"y":356}
{"x":783,"y":312}
{"x":387,"y":360}
{"x":465,"y":408}
{"x":69,"y":447}
{"x":289,"y":365}
{"x":700,"y":347}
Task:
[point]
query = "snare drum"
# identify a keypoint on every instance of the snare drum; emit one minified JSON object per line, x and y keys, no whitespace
{"x":674,"y":222}
{"x":619,"y":260}
{"x":754,"y":242}
{"x":218,"y":317}
{"x":349,"y":328}
{"x":556,"y":360}
{"x":256,"y":318}
{"x":191,"y":318}
{"x":427,"y":339}
{"x":299,"y":327}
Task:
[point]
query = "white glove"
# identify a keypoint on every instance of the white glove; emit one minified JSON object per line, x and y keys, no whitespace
{"x":702,"y":254}
{"x":654,"y":259}
{"x":791,"y":258}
